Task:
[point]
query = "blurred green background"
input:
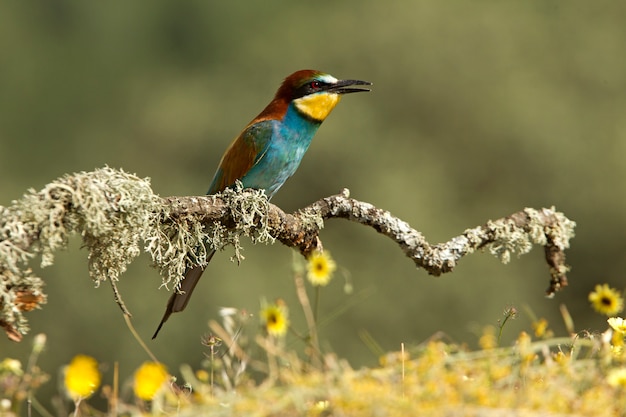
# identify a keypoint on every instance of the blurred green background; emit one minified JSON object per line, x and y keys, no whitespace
{"x":478,"y":110}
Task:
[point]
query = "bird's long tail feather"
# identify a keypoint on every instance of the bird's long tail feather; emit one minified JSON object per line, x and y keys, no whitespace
{"x":179,"y":299}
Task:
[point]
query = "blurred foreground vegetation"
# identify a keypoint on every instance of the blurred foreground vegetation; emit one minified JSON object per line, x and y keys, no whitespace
{"x":478,"y":110}
{"x":540,"y":374}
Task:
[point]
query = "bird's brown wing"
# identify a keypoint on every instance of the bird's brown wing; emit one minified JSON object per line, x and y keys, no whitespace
{"x":245,"y":152}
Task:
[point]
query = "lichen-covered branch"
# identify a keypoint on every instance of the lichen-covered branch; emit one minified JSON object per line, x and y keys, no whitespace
{"x":117,"y":215}
{"x":110,"y":209}
{"x":514,"y":234}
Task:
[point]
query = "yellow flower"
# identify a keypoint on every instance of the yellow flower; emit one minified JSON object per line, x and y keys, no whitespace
{"x":606,"y":300}
{"x":275,"y":318}
{"x":523,"y":342}
{"x":617,"y":346}
{"x":617,"y":351}
{"x":11,"y":366}
{"x":202,"y":375}
{"x":149,"y":378}
{"x":82,"y":377}
{"x":541,"y":328}
{"x":320,"y":268}
{"x":618,"y":324}
{"x":560,"y":358}
{"x":617,"y":377}
{"x":524,"y":347}
{"x":488,"y":339}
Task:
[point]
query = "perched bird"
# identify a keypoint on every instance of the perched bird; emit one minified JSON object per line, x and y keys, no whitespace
{"x":270,"y":148}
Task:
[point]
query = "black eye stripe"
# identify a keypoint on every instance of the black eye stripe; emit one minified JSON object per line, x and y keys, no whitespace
{"x":309,"y":87}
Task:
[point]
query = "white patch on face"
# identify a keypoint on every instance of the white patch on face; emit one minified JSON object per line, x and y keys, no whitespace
{"x":327,"y":78}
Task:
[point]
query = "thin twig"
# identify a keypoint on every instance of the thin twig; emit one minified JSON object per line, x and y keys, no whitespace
{"x":114,"y":400}
{"x":309,"y":316}
{"x":118,"y":299}
{"x":139,"y":339}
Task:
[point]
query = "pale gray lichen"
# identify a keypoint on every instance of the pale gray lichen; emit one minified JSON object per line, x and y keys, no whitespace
{"x":454,"y":250}
{"x":114,"y":214}
{"x":13,"y":283}
{"x":311,"y":220}
{"x":536,"y":227}
{"x":110,"y":208}
{"x":561,"y":231}
{"x":475,"y":237}
{"x":249,"y":211}
{"x":542,"y":227}
{"x":508,"y":239}
{"x":176,"y":245}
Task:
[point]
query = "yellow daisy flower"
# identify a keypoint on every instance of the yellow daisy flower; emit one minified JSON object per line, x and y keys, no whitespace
{"x":618,"y":324}
{"x":275,"y":318}
{"x":605,"y":300}
{"x":149,"y":378}
{"x":320,"y":268}
{"x":82,"y":377}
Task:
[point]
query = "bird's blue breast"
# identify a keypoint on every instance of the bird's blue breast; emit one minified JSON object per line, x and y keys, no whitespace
{"x":279,"y":160}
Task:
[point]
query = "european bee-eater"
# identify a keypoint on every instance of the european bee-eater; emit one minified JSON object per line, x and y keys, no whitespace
{"x":270,"y":148}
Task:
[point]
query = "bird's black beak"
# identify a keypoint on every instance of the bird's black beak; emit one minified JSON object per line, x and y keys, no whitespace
{"x":347,"y":86}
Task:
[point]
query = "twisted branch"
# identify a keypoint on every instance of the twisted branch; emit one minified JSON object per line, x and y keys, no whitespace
{"x":516,"y":233}
{"x":117,"y":215}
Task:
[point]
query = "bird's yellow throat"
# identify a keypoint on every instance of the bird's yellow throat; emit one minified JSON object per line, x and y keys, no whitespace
{"x":317,"y":106}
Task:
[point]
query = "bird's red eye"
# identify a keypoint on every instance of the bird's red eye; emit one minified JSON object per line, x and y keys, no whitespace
{"x":315,"y":85}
